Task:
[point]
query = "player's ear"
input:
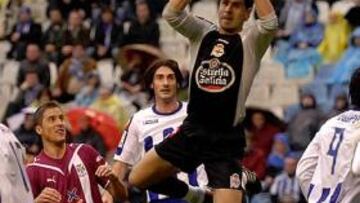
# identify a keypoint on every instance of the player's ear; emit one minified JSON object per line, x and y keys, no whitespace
{"x":151,"y":86}
{"x":38,"y":129}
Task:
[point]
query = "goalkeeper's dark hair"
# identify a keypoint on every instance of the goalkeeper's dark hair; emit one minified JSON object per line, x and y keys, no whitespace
{"x":248,"y":3}
{"x":354,"y":88}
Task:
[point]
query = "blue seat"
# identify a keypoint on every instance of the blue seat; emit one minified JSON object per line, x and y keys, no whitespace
{"x":325,"y":72}
{"x":338,"y":89}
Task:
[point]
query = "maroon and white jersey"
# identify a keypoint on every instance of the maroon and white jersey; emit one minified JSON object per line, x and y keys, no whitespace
{"x":73,"y":176}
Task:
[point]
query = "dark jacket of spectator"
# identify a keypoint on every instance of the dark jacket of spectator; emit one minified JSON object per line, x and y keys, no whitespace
{"x":25,"y":31}
{"x":91,"y":137}
{"x":148,"y":33}
{"x":41,"y":67}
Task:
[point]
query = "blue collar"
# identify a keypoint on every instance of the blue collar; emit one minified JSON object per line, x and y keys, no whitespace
{"x":170,"y":113}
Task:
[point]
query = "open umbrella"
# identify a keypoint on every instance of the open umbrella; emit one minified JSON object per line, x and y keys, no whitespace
{"x":104,"y":124}
{"x":139,"y":55}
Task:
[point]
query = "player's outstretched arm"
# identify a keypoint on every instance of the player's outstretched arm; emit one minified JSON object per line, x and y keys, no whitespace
{"x":116,"y":188}
{"x":48,"y":195}
{"x":178,"y":5}
{"x":264,"y":8}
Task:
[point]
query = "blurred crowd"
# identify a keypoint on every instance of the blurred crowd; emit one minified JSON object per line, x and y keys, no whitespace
{"x":79,"y":34}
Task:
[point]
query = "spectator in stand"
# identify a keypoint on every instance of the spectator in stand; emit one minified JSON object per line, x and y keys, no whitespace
{"x":280,"y":149}
{"x":299,"y":55}
{"x":336,"y":37}
{"x":262,"y":132}
{"x":53,"y":40}
{"x":341,"y":104}
{"x":286,"y":186}
{"x":292,"y":16}
{"x":254,"y":158}
{"x":310,"y":29}
{"x":301,"y":59}
{"x":124,"y":10}
{"x":132,"y":87}
{"x":34,"y":62}
{"x":43,"y":96}
{"x":72,"y":74}
{"x":75,"y":33}
{"x":89,"y":136}
{"x":349,"y":61}
{"x":25,"y":31}
{"x":303,"y":126}
{"x":107,"y":36}
{"x":27,"y":136}
{"x":27,"y":93}
{"x":111,"y":104}
{"x":66,"y":6}
{"x":89,"y":93}
{"x":275,"y":165}
{"x":144,"y":29}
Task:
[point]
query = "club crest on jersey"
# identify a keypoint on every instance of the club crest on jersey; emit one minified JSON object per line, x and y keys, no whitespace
{"x":235,"y":181}
{"x":214,"y":76}
{"x":218,"y":50}
{"x":81,"y":170}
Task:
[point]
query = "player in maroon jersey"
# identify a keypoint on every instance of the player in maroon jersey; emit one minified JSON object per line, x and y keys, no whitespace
{"x":67,"y":173}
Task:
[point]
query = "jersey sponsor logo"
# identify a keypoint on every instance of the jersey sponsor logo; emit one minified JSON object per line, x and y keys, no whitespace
{"x":214,"y":76}
{"x":218,"y":50}
{"x":235,"y":181}
{"x":152,"y":121}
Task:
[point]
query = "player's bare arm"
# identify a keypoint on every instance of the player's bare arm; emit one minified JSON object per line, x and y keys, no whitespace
{"x":178,"y":5}
{"x":264,"y":8}
{"x":116,"y":188}
{"x":120,"y":169}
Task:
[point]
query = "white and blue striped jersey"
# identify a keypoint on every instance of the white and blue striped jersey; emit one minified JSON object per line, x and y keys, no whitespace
{"x":14,"y":182}
{"x":148,"y":128}
{"x":324,"y":170}
{"x":284,"y":185}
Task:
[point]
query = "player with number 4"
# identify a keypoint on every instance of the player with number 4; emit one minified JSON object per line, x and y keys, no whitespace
{"x":329,"y":169}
